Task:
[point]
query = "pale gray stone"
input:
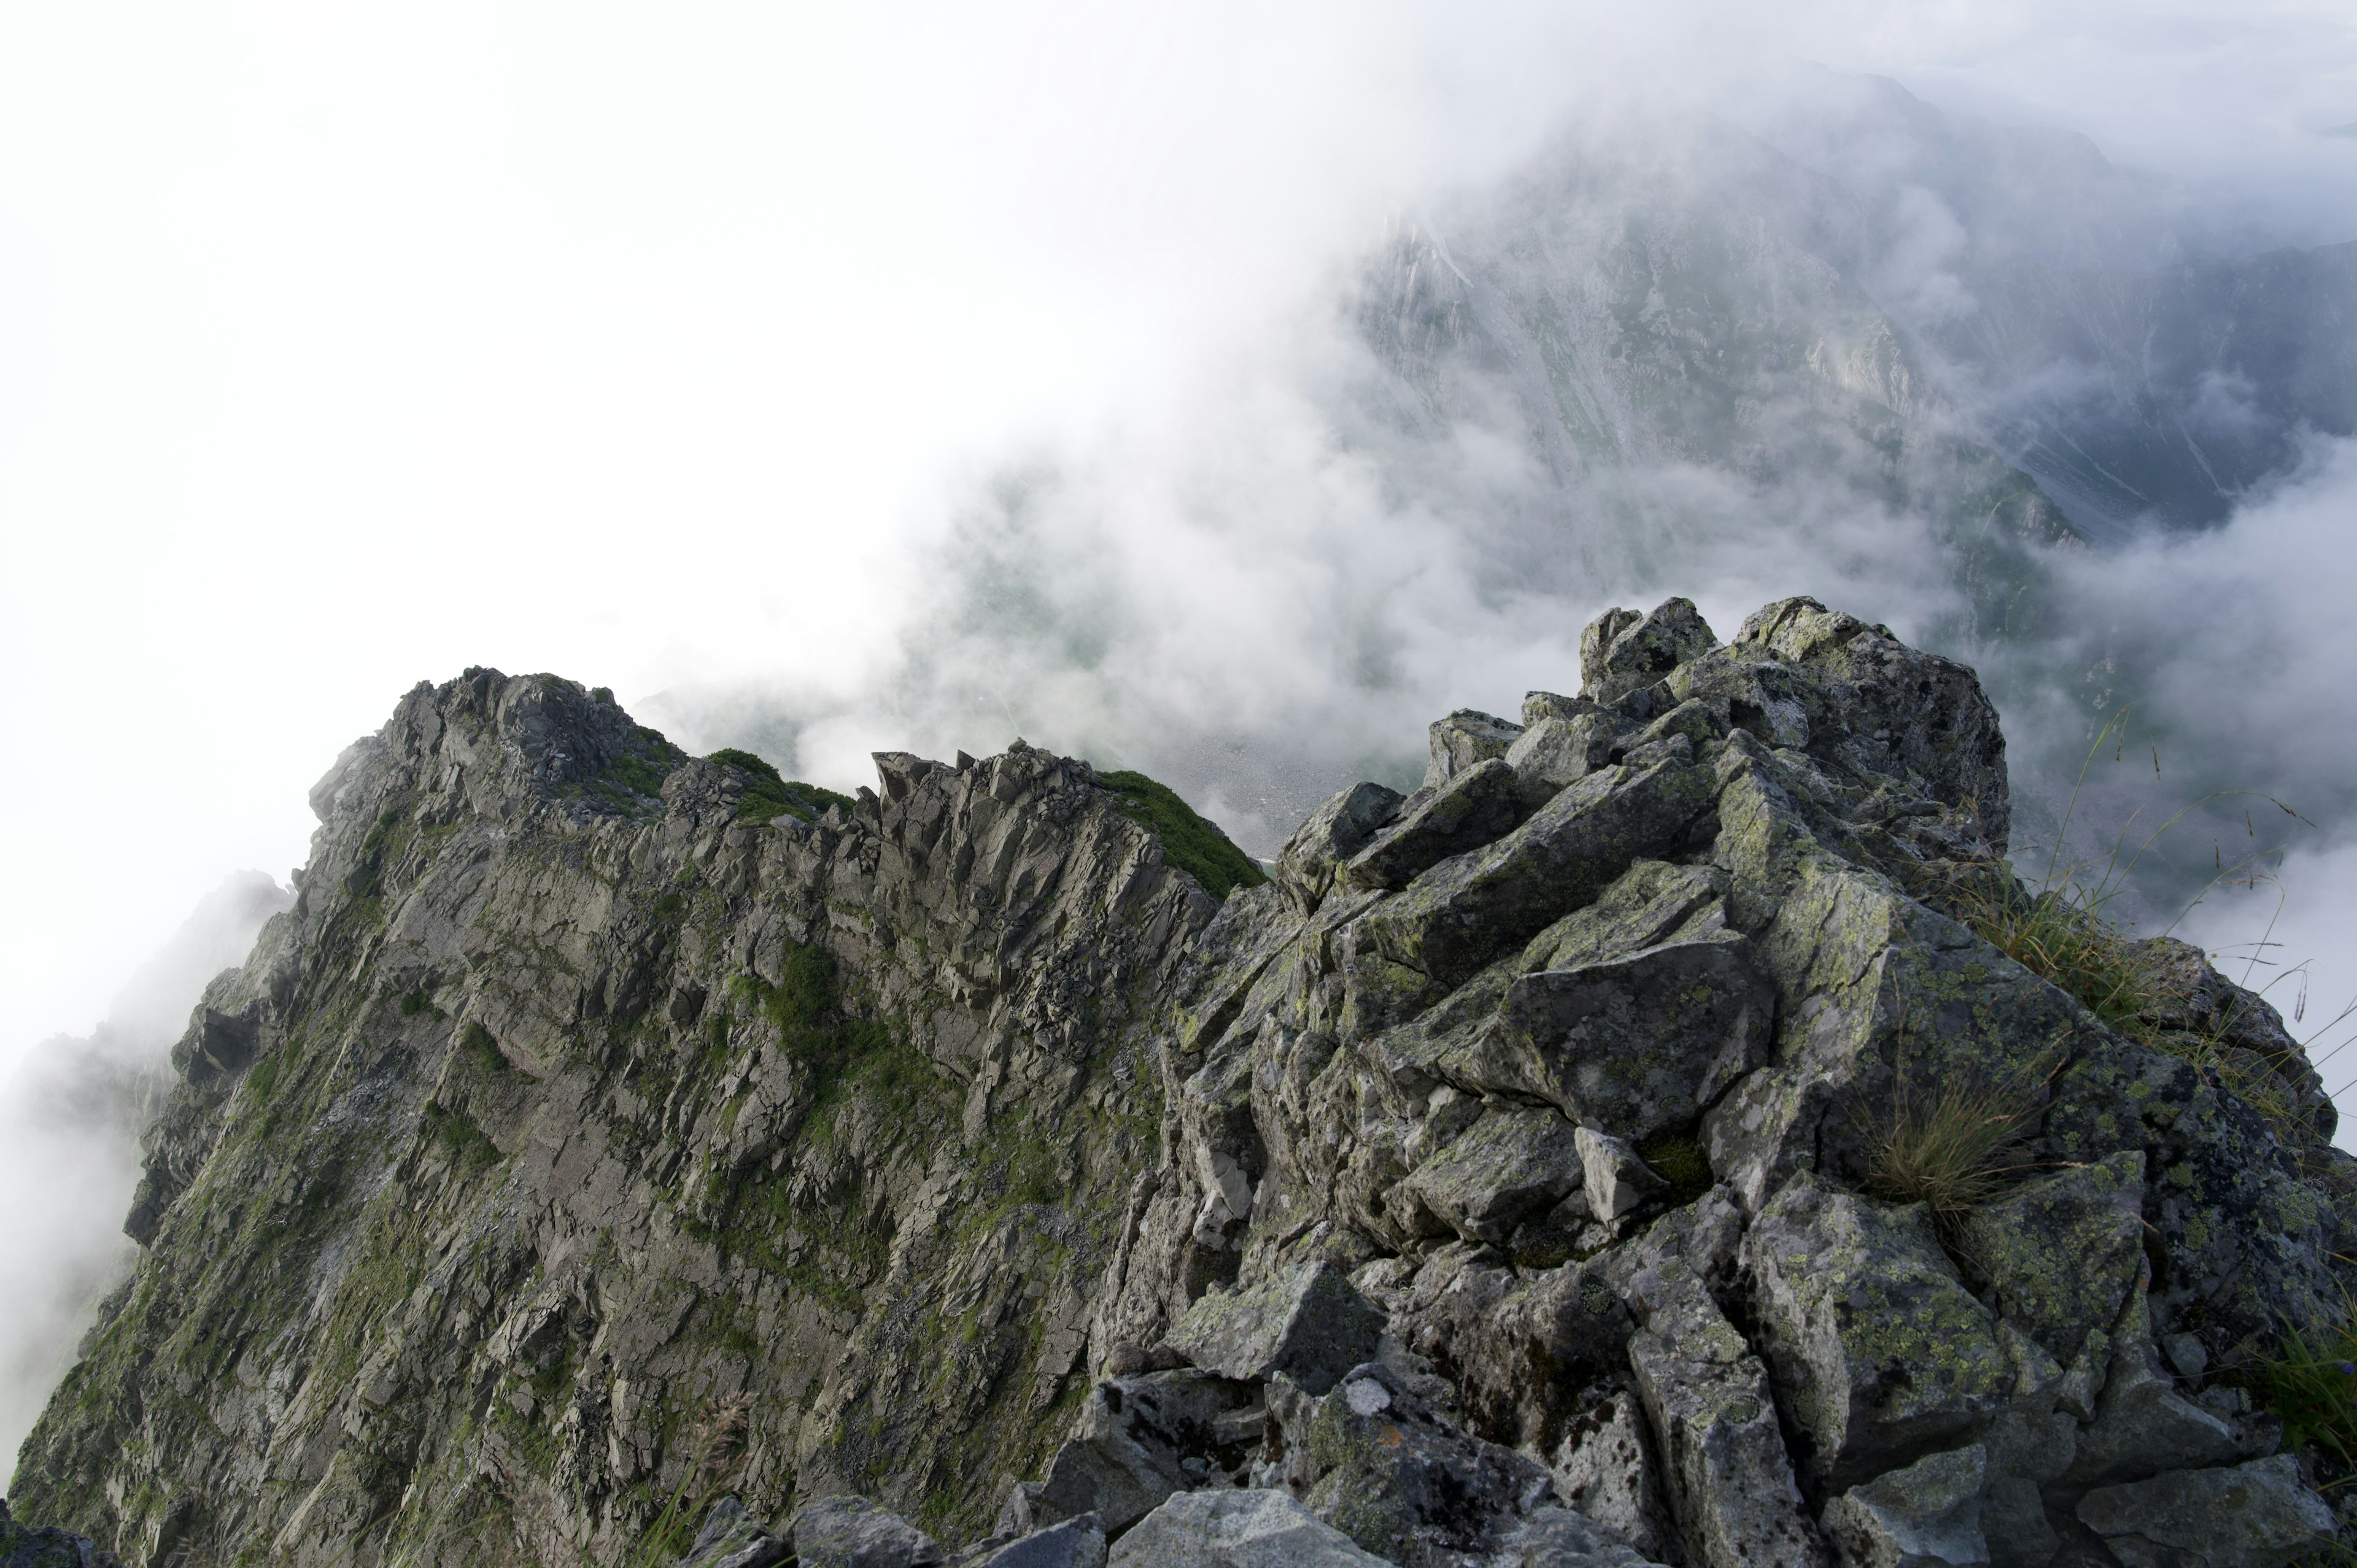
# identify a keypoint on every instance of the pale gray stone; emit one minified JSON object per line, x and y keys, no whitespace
{"x":1617,"y":1181}
{"x":1253,"y":1528}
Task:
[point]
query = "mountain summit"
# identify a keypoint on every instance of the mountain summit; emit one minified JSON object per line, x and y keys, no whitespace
{"x":1630,"y":1146}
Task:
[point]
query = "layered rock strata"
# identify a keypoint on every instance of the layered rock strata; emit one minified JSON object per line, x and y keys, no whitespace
{"x":1506,"y":1181}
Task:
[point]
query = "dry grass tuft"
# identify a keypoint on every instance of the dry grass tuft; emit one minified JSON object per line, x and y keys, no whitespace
{"x":1953,"y":1149}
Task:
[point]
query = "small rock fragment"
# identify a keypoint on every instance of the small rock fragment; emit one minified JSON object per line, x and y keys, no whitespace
{"x":1617,"y":1181}
{"x":1927,"y":1515}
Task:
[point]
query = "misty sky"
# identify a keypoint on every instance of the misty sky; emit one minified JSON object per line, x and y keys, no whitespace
{"x":342,"y":347}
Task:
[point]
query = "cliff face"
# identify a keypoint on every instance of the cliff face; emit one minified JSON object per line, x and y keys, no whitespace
{"x":603,"y":1126}
{"x":570,"y":1110}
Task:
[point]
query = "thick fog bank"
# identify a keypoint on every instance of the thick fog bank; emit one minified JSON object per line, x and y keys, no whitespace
{"x":2081,"y":426}
{"x":70,"y":1116}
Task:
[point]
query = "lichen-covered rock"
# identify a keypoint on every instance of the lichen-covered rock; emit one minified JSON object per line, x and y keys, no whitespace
{"x":1637,"y":1046}
{"x":1879,"y":1352}
{"x":1558,"y":749}
{"x":1605,"y":1467}
{"x":1473,"y":807}
{"x":1624,"y":651}
{"x":1465,"y":740}
{"x":1377,"y":1463}
{"x":1474,"y":906}
{"x":1256,"y":1529}
{"x":1308,"y":1323}
{"x":2257,"y":1515}
{"x":1139,"y":1439}
{"x":1512,"y":1164}
{"x":1315,"y":853}
{"x":1730,"y":1478}
{"x":2062,"y":1251}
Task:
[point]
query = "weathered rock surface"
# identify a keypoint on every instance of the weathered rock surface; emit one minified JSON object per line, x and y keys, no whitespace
{"x":26,"y":1546}
{"x":732,"y":1539}
{"x":853,"y":1532}
{"x":1308,"y":1322}
{"x":1236,"y":1530}
{"x":2251,"y":1516}
{"x":1497,"y":1185}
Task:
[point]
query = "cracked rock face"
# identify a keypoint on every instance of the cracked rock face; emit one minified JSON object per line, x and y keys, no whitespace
{"x":1494,"y":1186}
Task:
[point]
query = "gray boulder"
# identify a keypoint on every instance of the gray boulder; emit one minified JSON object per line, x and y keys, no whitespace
{"x":1927,"y":1515}
{"x":1622,"y":651}
{"x":1136,"y":1441}
{"x":1237,"y":1530}
{"x":1308,"y":1321}
{"x":2252,"y":1516}
{"x":1559,"y":750}
{"x":852,"y":1531}
{"x":1483,"y":904}
{"x":732,"y":1539}
{"x":1464,"y":738}
{"x":1514,"y":1163}
{"x":1730,"y":1480}
{"x":1313,"y":856}
{"x":1469,"y":810}
{"x":1879,"y":1352}
{"x":2061,"y":1252}
{"x":1875,"y":707}
{"x":1381,"y":1464}
{"x":1636,"y":1046}
{"x":1521,"y":1350}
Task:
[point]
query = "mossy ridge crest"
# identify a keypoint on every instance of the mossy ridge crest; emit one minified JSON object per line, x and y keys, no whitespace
{"x":1190,"y":842}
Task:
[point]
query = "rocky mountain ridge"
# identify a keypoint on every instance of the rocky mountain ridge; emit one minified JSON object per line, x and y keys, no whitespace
{"x":1509,"y":1178}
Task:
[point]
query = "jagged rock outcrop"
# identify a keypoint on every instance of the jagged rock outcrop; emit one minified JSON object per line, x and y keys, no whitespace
{"x":579,"y":1126}
{"x":1505,"y":1181}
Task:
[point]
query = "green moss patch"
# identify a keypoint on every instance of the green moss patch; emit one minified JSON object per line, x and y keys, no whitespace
{"x":631,"y":784}
{"x":770,"y":794}
{"x":1191,"y":843}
